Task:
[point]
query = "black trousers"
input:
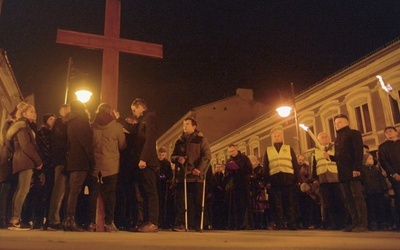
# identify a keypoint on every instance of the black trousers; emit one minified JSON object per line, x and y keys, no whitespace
{"x":75,"y":183}
{"x":355,"y":203}
{"x":106,"y":188}
{"x":283,"y":205}
{"x":337,"y":215}
{"x":194,"y":200}
{"x":148,"y":183}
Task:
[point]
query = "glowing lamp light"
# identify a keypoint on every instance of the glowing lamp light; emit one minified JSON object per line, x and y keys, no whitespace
{"x":83,"y":95}
{"x":284,"y":111}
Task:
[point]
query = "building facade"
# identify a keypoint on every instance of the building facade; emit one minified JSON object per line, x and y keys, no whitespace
{"x":217,"y":119}
{"x":354,"y":91}
{"x":10,"y":94}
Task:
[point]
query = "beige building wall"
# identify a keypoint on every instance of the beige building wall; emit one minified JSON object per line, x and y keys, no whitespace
{"x":217,"y":119}
{"x":10,"y":95}
{"x":354,"y":91}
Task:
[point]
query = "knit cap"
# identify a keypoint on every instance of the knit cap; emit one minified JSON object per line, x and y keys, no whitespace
{"x":365,"y":157}
{"x":47,"y":116}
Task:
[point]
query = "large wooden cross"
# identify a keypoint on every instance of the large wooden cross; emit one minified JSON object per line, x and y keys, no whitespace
{"x":111,"y":44}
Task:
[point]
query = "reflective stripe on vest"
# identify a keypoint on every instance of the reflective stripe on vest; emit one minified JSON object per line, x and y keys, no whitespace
{"x":280,"y":162}
{"x":324,"y":165}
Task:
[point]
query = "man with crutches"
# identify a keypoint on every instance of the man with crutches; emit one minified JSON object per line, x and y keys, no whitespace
{"x":191,"y":157}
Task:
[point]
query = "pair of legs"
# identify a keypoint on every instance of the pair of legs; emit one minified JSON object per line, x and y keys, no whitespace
{"x":23,"y":186}
{"x":355,"y":203}
{"x":57,"y":195}
{"x":106,"y":188}
{"x":194,"y":196}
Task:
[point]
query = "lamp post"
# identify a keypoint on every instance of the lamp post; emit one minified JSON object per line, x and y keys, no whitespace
{"x":67,"y":80}
{"x":284,"y":111}
{"x":73,"y":73}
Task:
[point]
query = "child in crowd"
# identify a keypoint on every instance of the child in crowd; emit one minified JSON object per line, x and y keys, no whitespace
{"x":375,"y":188}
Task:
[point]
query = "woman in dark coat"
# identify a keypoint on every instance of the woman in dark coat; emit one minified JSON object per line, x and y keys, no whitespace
{"x":80,"y":159}
{"x":25,"y":160}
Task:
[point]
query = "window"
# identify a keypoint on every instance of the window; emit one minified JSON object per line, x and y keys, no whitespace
{"x":395,"y":109}
{"x":328,"y":111}
{"x":254,"y":146}
{"x":358,"y":103}
{"x":363,"y":118}
{"x":309,"y":141}
{"x":306,"y":141}
{"x":256,"y":152}
{"x":331,"y":128}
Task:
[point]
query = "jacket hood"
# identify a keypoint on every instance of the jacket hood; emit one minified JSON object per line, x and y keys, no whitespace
{"x":76,"y":114}
{"x":103,"y":119}
{"x":15,"y":127}
{"x":192,"y":135}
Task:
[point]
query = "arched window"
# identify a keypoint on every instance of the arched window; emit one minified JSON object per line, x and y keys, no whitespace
{"x":327,"y":113}
{"x":391,"y":101}
{"x":308,"y":119}
{"x":254,"y":146}
{"x":358,"y":104}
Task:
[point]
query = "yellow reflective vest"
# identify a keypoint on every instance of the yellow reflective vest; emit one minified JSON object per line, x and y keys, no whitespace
{"x":322,"y":164}
{"x":280,"y":162}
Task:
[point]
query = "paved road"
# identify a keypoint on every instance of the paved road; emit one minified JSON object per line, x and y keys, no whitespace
{"x":304,"y":239}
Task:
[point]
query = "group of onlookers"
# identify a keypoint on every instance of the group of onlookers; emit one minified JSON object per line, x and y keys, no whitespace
{"x":75,"y":175}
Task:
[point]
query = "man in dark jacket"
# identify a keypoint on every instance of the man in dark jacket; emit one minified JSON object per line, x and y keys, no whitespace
{"x":238,"y":191}
{"x":58,"y":155}
{"x":348,"y":157}
{"x":389,"y":158}
{"x":80,"y":159}
{"x":145,"y":157}
{"x":191,"y":157}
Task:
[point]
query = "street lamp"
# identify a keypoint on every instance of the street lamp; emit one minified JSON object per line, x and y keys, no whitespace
{"x":284,"y":111}
{"x":83,"y":95}
{"x":73,"y":73}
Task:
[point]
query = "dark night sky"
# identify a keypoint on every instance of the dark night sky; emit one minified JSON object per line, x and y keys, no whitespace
{"x":211,"y":47}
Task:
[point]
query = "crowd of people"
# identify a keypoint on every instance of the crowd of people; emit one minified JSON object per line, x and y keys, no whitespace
{"x":107,"y":175}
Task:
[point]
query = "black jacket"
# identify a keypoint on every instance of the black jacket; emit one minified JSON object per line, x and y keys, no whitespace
{"x":241,"y":176}
{"x":59,"y":142}
{"x":80,"y":142}
{"x":196,"y":150}
{"x":144,"y":145}
{"x":389,"y":156}
{"x":348,"y":153}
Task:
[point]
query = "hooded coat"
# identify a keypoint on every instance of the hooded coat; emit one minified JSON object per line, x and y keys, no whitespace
{"x":196,"y":150}
{"x":108,"y":140}
{"x":26,"y":154}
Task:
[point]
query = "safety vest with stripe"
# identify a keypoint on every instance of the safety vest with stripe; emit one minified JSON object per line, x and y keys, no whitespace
{"x":322,"y":164}
{"x":280,"y":162}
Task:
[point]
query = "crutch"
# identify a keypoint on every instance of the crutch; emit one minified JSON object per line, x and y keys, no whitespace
{"x":203,"y":197}
{"x":185,"y":197}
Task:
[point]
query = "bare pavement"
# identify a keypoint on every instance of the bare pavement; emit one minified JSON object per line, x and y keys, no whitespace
{"x":255,"y":239}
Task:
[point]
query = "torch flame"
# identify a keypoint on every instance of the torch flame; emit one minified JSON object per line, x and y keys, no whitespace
{"x":303,"y":126}
{"x":385,"y":87}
